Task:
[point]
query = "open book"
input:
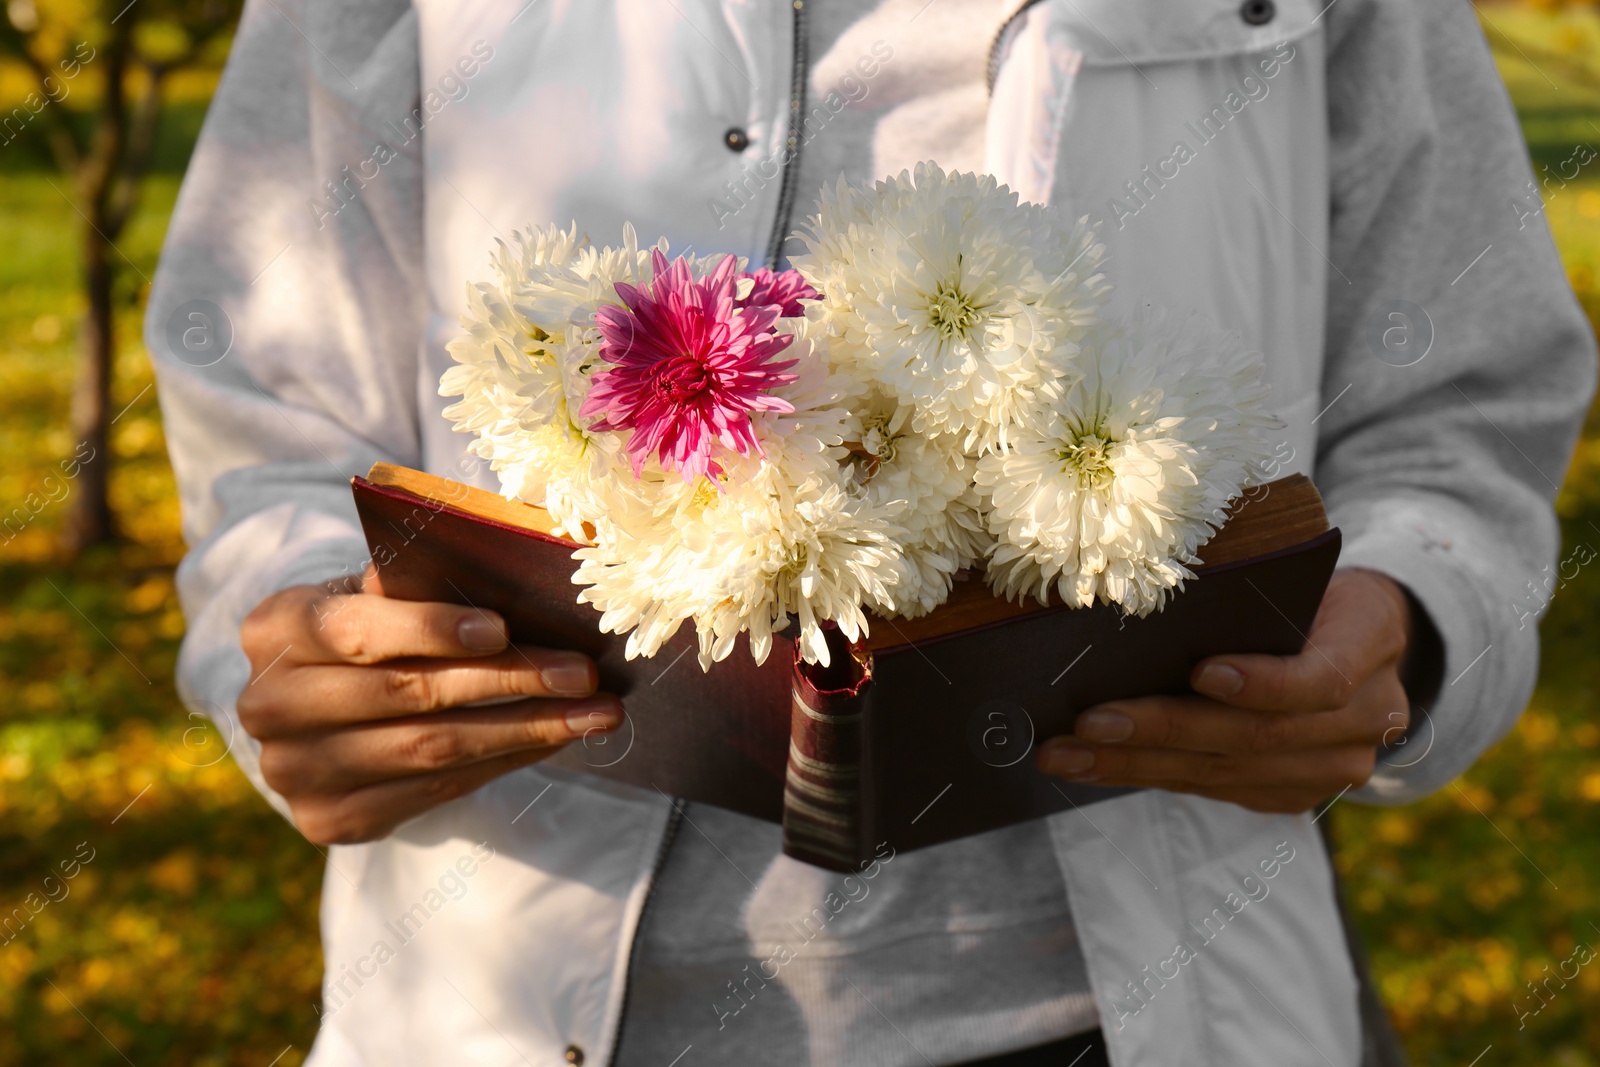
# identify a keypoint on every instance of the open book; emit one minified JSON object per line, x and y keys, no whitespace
{"x":919,"y":734}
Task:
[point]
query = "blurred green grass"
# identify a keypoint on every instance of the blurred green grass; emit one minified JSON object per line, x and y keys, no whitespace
{"x":190,"y":937}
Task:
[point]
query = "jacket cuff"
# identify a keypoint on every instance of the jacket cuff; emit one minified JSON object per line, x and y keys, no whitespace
{"x":1439,"y":554}
{"x":212,"y":667}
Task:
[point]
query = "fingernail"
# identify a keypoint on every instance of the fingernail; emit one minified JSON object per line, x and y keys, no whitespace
{"x":600,"y":715}
{"x":482,"y":633}
{"x":1219,"y":681}
{"x":1067,"y":759}
{"x":567,"y":675}
{"x":1104,"y":725}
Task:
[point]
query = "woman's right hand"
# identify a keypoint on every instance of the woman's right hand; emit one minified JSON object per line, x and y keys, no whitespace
{"x":357,"y":701}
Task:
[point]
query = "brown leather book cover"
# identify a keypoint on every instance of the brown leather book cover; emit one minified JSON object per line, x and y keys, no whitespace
{"x":918,"y":735}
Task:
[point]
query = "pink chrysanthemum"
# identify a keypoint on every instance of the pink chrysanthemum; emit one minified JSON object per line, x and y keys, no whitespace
{"x":784,"y":288}
{"x":687,"y":367}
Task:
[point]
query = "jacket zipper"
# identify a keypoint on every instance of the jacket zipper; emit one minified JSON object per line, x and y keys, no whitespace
{"x":674,"y":820}
{"x":992,"y":67}
{"x":780,"y":231}
{"x":791,"y":166}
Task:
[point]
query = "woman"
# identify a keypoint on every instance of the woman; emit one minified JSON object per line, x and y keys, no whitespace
{"x":1319,"y":179}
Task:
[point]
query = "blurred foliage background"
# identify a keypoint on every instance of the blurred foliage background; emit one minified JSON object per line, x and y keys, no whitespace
{"x":189,"y":934}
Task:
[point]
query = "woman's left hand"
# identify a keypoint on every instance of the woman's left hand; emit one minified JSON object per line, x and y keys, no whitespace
{"x":1271,"y":733}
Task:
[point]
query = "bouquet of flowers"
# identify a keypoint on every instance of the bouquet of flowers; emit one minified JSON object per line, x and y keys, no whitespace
{"x":933,"y":388}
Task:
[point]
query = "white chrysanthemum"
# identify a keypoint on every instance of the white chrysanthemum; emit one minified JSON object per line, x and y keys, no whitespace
{"x":520,"y":364}
{"x":1116,"y":484}
{"x":929,"y":480}
{"x":746,"y":556}
{"x":962,"y":302}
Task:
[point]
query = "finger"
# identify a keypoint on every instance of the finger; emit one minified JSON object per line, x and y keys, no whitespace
{"x":1199,"y":725}
{"x":1314,"y":769}
{"x":332,"y":695}
{"x":1359,"y":628}
{"x":374,"y":811}
{"x":363,"y":628}
{"x":341,"y":760}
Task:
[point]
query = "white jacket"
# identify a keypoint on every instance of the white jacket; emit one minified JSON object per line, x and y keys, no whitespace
{"x":1312,"y":194}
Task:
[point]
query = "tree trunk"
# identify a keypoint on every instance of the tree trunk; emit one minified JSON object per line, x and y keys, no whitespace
{"x":89,"y":520}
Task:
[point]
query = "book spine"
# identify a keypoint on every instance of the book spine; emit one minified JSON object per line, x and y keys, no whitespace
{"x":823,"y":817}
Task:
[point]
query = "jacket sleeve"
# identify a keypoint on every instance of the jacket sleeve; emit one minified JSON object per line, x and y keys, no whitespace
{"x":285,"y":320}
{"x":1453,"y":414}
